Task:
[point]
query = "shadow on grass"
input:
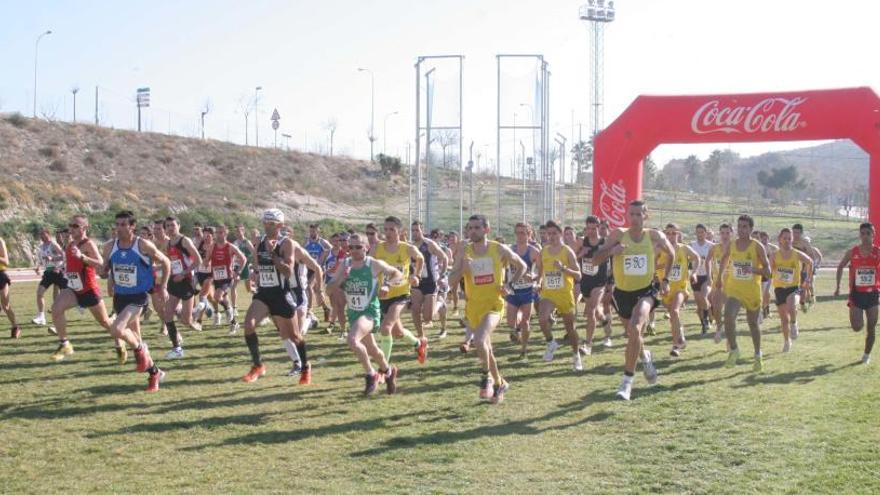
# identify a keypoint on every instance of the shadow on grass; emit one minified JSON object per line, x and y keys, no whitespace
{"x":795,"y":377}
{"x":205,"y":423}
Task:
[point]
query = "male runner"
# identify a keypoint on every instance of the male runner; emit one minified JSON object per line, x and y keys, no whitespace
{"x":746,"y":259}
{"x":523,"y":293}
{"x":318,"y":248}
{"x":802,"y":243}
{"x":679,"y":281}
{"x":424,"y":295}
{"x":717,"y":297}
{"x":864,"y":285}
{"x":223,"y":257}
{"x":185,"y":257}
{"x":81,"y":290}
{"x":274,"y":263}
{"x":635,"y":291}
{"x":5,"y":282}
{"x":358,"y":277}
{"x":787,"y":264}
{"x":203,"y":274}
{"x":557,"y":272}
{"x":481,"y":263}
{"x":129,"y":263}
{"x":594,"y":279}
{"x":393,"y":297}
{"x":441,"y":306}
{"x":702,"y":290}
{"x":244,"y":271}
{"x":160,"y":239}
{"x":51,"y":259}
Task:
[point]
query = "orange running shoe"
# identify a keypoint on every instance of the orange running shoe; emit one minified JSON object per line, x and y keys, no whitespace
{"x":254,"y":373}
{"x":305,"y":378}
{"x":142,"y":358}
{"x":422,"y":350}
{"x":153,"y":381}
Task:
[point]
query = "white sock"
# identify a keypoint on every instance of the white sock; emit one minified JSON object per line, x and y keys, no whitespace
{"x":41,"y":315}
{"x":307,"y":324}
{"x":468,"y":336}
{"x":291,"y":350}
{"x":628,"y":379}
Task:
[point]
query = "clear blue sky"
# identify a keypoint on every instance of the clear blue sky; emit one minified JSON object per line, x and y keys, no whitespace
{"x":305,"y":55}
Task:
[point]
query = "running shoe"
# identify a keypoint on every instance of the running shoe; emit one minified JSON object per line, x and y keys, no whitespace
{"x":758,"y":365}
{"x":794,"y":331}
{"x":52,"y":331}
{"x":175,"y":353}
{"x":442,"y":334}
{"x":233,"y":328}
{"x":866,"y":359}
{"x":142,"y":358}
{"x":648,"y":368}
{"x":121,"y":355}
{"x":422,"y":350}
{"x":154,"y":380}
{"x":625,"y":389}
{"x":370,"y":380}
{"x":498,"y":395}
{"x":487,"y":385}
{"x":306,"y":377}
{"x":64,"y":350}
{"x":551,"y":348}
{"x":40,"y":320}
{"x":585,"y":349}
{"x":255,"y":373}
{"x":786,"y":346}
{"x":295,"y":369}
{"x":196,"y":326}
{"x":732,"y":358}
{"x":465,"y":347}
{"x":675,"y":352}
{"x":391,"y":380}
{"x":16,"y":332}
{"x":331,"y":328}
{"x":607,"y":342}
{"x":577,"y":363}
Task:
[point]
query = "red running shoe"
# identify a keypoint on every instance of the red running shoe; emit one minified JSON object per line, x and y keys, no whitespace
{"x":422,"y":350}
{"x":370,"y":383}
{"x":391,"y":380}
{"x":16,"y":332}
{"x":142,"y":358}
{"x":254,"y":373}
{"x":305,"y":378}
{"x":486,"y":387}
{"x":153,"y":381}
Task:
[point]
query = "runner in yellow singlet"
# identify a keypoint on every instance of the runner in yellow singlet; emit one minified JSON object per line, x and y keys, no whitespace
{"x":746,"y":261}
{"x":717,"y":298}
{"x":481,"y":263}
{"x":679,"y":285}
{"x":393,"y":297}
{"x":558,"y":271}
{"x":636,"y":290}
{"x":787,"y":264}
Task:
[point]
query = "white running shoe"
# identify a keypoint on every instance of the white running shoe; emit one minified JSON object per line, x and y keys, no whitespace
{"x":586,"y":350}
{"x":265,"y":321}
{"x":176,"y":353}
{"x":866,"y":359}
{"x":578,"y":364}
{"x":40,"y":319}
{"x":607,"y":342}
{"x":719,"y":333}
{"x":794,"y":331}
{"x":551,"y":348}
{"x":786,"y":346}
{"x":648,"y":368}
{"x":625,"y":389}
{"x":217,"y":318}
{"x":233,"y":328}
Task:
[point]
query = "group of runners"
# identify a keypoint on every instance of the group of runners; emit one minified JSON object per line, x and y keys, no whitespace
{"x":365,"y":281}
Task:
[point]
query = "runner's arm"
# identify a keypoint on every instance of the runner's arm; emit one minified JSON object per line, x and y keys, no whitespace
{"x":808,"y":264}
{"x":662,"y":242}
{"x":388,"y":272}
{"x":4,"y":256}
{"x":284,"y":263}
{"x":765,"y":261}
{"x":306,"y":259}
{"x":90,"y":255}
{"x":840,"y":266}
{"x":442,"y":262}
{"x":572,"y":265}
{"x":340,"y":274}
{"x":194,"y":254}
{"x":519,"y":266}
{"x":611,"y":247}
{"x":457,"y":266}
{"x":236,"y":253}
{"x":415,"y":254}
{"x":725,"y":259}
{"x":150,"y":249}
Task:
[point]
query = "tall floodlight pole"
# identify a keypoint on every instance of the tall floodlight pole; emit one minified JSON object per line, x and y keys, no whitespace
{"x":597,"y":13}
{"x":36,"y":56}
{"x":385,"y":130}
{"x":372,"y":107}
{"x":256,"y":114}
{"x":429,"y":104}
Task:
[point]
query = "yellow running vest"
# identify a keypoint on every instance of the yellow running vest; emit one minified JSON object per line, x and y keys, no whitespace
{"x":788,"y":271}
{"x":399,"y":260}
{"x":557,"y":286}
{"x":678,"y":273}
{"x":634,"y":268}
{"x":744,"y":281}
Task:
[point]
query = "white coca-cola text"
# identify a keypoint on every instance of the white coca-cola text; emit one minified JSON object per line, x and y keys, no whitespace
{"x":774,"y":114}
{"x":612,"y":203}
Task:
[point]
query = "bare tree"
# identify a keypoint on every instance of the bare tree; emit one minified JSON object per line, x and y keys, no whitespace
{"x":205,"y":109}
{"x":244,"y":107}
{"x":49,"y":111}
{"x":330,"y":126}
{"x":446,"y":138}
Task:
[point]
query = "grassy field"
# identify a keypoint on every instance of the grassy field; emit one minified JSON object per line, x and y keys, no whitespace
{"x":806,"y":425}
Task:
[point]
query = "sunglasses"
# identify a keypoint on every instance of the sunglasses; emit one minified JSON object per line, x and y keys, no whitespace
{"x":355,"y":247}
{"x":74,"y":226}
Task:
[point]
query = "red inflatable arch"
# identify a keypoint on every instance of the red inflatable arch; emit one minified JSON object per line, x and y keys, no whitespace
{"x":652,"y":120}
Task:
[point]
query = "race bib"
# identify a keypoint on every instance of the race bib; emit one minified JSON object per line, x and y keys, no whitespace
{"x":523,"y":284}
{"x":403,"y":281}
{"x":204,"y":268}
{"x":785,"y":275}
{"x":220,"y":273}
{"x":356,"y":298}
{"x":742,"y":270}
{"x":268,"y":277}
{"x":176,"y":267}
{"x":553,"y":280}
{"x":701,"y":270}
{"x":635,"y":264}
{"x":587,"y":267}
{"x":675,"y":273}
{"x":125,"y":275}
{"x":483,"y":271}
{"x":73,"y":281}
{"x":865,"y":277}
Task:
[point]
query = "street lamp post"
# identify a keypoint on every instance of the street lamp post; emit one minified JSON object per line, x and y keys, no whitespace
{"x":372,"y":107}
{"x":74,"y":90}
{"x":385,"y":130}
{"x":256,"y":114}
{"x":36,"y":55}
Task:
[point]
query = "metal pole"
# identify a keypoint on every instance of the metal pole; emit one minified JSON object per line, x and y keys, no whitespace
{"x":96,"y":105}
{"x":498,"y":144}
{"x":372,"y":113}
{"x":418,"y":141}
{"x":460,"y":146}
{"x":36,"y":56}
{"x":429,"y":103}
{"x":523,"y":171}
{"x":257,"y":114}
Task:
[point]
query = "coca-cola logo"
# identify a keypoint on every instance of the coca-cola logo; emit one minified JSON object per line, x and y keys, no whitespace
{"x":773,"y":114}
{"x":612,"y":203}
